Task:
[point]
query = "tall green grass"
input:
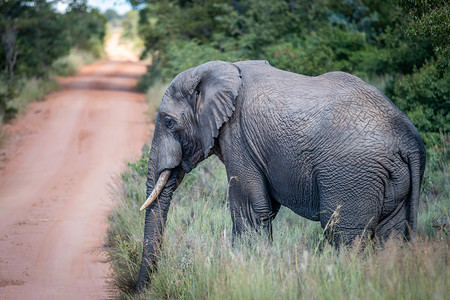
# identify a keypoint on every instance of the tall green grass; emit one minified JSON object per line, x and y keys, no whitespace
{"x":25,"y":91}
{"x":199,"y":262}
{"x":28,"y":90}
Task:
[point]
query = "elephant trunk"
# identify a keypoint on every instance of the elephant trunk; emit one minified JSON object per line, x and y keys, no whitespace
{"x":155,"y":219}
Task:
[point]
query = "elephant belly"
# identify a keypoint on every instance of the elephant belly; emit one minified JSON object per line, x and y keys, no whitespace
{"x":298,"y":193}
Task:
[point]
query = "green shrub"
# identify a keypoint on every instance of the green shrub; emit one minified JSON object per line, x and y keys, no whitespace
{"x":424,"y":96}
{"x":69,"y":65}
{"x":25,"y":91}
{"x":3,"y":136}
{"x":7,"y":93}
{"x":182,"y":55}
{"x":308,"y":58}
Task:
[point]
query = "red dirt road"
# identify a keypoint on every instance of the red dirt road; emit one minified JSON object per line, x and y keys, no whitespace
{"x":54,"y":179}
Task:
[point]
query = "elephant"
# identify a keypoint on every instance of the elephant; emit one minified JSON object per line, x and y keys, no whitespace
{"x":317,"y":145}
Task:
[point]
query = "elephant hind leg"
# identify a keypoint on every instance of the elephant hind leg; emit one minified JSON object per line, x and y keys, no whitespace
{"x":339,"y":235}
{"x":396,"y":224}
{"x":343,"y":226}
{"x":395,"y":217}
{"x":350,"y":204}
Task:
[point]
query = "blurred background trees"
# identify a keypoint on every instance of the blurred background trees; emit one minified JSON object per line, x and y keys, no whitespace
{"x":34,"y":35}
{"x":401,"y":47}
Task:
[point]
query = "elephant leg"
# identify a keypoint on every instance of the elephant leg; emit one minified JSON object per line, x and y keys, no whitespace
{"x":396,"y":225}
{"x":350,"y":206}
{"x":250,"y":203}
{"x":342,"y":226}
{"x":395,"y":218}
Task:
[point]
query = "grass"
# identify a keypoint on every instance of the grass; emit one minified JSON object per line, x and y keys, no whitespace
{"x":28,"y":90}
{"x":69,"y":65}
{"x":3,"y":137}
{"x":34,"y":89}
{"x":198,"y":261}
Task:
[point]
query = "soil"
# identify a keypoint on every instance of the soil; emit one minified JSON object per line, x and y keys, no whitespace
{"x":55,"y":172}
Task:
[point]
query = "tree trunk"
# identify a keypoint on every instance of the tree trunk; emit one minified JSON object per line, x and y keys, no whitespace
{"x":9,"y":40}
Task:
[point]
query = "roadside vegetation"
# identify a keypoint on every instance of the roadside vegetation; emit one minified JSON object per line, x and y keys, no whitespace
{"x":68,"y":65}
{"x":39,"y":42}
{"x":130,"y":35}
{"x":401,"y":47}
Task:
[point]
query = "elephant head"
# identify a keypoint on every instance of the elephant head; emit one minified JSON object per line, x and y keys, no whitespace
{"x":193,"y":109}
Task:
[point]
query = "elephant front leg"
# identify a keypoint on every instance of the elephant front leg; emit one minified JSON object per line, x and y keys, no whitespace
{"x":251,"y":205}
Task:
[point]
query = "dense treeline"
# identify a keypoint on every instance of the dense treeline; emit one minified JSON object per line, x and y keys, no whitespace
{"x":34,"y":35}
{"x":402,"y":47}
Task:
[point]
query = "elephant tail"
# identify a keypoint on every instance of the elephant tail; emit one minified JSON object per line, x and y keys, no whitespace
{"x":416,"y":169}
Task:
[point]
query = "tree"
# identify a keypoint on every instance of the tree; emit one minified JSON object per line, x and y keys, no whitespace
{"x":10,"y":45}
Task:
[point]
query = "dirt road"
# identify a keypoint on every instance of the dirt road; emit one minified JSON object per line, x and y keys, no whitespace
{"x":54,"y":181}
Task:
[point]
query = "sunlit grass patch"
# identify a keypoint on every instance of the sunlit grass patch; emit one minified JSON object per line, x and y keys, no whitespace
{"x":69,"y":65}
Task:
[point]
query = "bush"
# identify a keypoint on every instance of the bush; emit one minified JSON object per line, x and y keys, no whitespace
{"x":25,"y":91}
{"x":308,"y":57}
{"x":424,"y":96}
{"x":179,"y":56}
{"x":69,"y":65}
{"x":7,"y":93}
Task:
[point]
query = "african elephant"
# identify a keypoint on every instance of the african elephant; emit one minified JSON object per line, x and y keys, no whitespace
{"x":316,"y":145}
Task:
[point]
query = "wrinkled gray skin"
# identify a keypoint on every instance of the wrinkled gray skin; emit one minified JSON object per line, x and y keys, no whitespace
{"x":313,"y":144}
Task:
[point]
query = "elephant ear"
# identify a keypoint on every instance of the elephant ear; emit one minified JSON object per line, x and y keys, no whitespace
{"x":215,"y":89}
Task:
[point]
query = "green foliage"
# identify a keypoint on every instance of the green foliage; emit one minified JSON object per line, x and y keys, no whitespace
{"x":49,"y":37}
{"x":7,"y":111}
{"x":86,"y":27}
{"x":154,"y":96}
{"x":129,"y":25}
{"x":36,"y":37}
{"x":113,"y":18}
{"x":424,"y":96}
{"x":434,"y":207}
{"x":332,"y":48}
{"x":129,"y":32}
{"x":398,"y":46}
{"x":429,"y":20}
{"x":69,"y":65}
{"x":25,"y":90}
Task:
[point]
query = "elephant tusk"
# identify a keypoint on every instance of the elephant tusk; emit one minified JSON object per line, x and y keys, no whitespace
{"x":162,"y":180}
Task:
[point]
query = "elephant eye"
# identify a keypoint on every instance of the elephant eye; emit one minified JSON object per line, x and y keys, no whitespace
{"x":170,"y":123}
